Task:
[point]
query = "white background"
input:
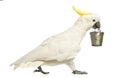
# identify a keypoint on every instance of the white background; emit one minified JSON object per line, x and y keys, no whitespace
{"x":24,"y":24}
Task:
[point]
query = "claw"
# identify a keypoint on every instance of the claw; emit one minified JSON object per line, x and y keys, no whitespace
{"x":40,"y":70}
{"x":36,"y":70}
{"x":79,"y":72}
{"x":45,"y":72}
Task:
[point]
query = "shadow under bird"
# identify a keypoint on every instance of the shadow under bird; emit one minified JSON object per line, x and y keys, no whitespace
{"x":61,"y":48}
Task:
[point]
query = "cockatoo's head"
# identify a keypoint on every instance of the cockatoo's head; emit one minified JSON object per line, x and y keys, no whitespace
{"x":91,"y":20}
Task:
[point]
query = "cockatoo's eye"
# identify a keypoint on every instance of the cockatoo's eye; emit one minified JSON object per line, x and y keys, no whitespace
{"x":93,"y":20}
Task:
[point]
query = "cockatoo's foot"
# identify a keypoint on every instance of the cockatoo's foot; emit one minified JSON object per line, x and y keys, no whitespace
{"x":79,"y":72}
{"x":40,"y":70}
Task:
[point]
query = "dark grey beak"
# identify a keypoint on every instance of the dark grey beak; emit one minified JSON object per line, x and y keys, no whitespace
{"x":96,"y":25}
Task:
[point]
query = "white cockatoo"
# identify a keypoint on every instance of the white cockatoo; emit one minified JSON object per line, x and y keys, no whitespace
{"x":61,"y":48}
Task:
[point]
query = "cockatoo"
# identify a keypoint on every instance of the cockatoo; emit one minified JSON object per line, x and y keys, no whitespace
{"x":61,"y":48}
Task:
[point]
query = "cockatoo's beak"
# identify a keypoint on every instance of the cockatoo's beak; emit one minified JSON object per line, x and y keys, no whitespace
{"x":80,"y":12}
{"x":96,"y":25}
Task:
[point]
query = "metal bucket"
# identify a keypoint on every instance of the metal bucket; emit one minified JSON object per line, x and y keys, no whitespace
{"x":96,"y":38}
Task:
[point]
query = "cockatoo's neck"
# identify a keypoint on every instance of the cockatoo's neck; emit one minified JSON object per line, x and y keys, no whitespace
{"x":81,"y":24}
{"x":78,"y":31}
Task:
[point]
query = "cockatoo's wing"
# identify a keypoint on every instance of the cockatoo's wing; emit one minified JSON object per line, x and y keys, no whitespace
{"x":47,"y":51}
{"x":56,"y":48}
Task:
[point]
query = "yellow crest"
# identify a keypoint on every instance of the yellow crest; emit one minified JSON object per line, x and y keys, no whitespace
{"x":80,"y":12}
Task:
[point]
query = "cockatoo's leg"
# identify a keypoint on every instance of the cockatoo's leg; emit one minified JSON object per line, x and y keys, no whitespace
{"x":40,"y":70}
{"x":71,"y":64}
